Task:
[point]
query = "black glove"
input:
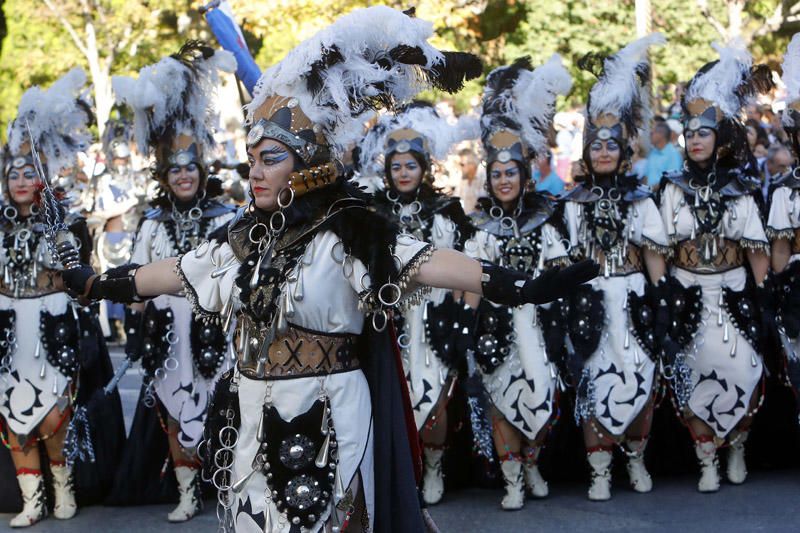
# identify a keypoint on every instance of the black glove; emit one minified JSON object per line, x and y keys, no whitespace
{"x":508,"y":287}
{"x":75,"y":273}
{"x":765,"y":300}
{"x":133,"y":331}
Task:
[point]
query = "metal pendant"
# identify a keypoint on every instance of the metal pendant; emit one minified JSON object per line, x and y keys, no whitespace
{"x":627,"y":343}
{"x":322,"y":457}
{"x":735,"y":342}
{"x":753,"y":360}
{"x":725,"y":336}
{"x":43,"y":371}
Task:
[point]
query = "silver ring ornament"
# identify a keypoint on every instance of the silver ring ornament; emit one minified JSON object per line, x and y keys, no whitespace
{"x":796,"y":172}
{"x":275,"y":227}
{"x":338,"y":257}
{"x":149,"y":401}
{"x":348,"y":267}
{"x":377,"y":326}
{"x":284,"y":205}
{"x":365,"y":285}
{"x":404,"y":340}
{"x":10,"y":212}
{"x":260,"y":225}
{"x":24,"y":235}
{"x":415,"y":207}
{"x":195,"y":213}
{"x":394,"y":299}
{"x":614,"y":195}
{"x":392,"y":196}
{"x":597,"y":190}
{"x":171,"y":337}
{"x":496,"y":212}
{"x":160,"y":373}
{"x":171,"y":364}
{"x":398,"y":262}
{"x":507,"y":223}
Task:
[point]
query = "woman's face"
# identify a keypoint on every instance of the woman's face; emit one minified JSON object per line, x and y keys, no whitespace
{"x":700,"y":145}
{"x":406,"y":172}
{"x":505,"y":180}
{"x":22,"y":184}
{"x":184,"y":181}
{"x":271,"y":164}
{"x":604,"y":156}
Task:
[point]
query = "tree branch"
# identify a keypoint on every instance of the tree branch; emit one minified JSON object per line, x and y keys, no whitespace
{"x":772,"y":23}
{"x":67,"y":26}
{"x":716,"y":24}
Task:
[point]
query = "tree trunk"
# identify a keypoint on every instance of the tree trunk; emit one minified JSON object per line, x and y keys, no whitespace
{"x":735,"y":10}
{"x":101,"y":79}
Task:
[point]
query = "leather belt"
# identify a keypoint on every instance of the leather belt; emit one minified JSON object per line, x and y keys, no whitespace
{"x":690,"y":256}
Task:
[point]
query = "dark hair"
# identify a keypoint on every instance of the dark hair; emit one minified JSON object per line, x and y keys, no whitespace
{"x":524,"y":177}
{"x":663,"y":128}
{"x":423,"y":163}
{"x":761,"y":134}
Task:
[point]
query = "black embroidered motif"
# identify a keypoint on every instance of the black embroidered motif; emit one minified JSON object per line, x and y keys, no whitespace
{"x":787,"y":292}
{"x":59,"y":337}
{"x":741,"y":308}
{"x":686,"y":307}
{"x":642,"y":316}
{"x":495,"y":334}
{"x":8,"y":320}
{"x":155,"y":345}
{"x":585,"y":320}
{"x":438,"y":321}
{"x":208,"y":347}
{"x":224,"y":404}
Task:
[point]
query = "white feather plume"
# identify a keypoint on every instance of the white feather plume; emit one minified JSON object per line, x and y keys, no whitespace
{"x":719,"y":83}
{"x":619,"y":91}
{"x":791,"y":75}
{"x":170,"y":96}
{"x":57,"y":120}
{"x":361,"y":37}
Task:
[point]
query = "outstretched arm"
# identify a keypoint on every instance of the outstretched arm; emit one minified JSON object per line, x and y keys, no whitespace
{"x":448,"y":269}
{"x":155,"y":279}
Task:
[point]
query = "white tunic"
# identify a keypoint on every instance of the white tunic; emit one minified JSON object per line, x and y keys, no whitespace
{"x":324,"y":294}
{"x":182,"y":390}
{"x":523,"y":388}
{"x":783,"y":221}
{"x":722,"y":384}
{"x":620,"y":372}
{"x":425,"y":372}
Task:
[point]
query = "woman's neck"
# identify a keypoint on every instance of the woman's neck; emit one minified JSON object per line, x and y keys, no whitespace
{"x":24,"y":210}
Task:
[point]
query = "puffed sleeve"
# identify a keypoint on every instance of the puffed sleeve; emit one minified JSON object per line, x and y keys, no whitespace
{"x":572,"y":220}
{"x":409,"y":254}
{"x":483,"y":246}
{"x":443,"y":232}
{"x":780,"y":224}
{"x":671,"y":196}
{"x":650,"y":232}
{"x":553,"y":249}
{"x":208,"y":274}
{"x":753,"y":236}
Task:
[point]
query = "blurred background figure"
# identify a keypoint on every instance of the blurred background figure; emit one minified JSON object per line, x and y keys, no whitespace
{"x":663,"y":156}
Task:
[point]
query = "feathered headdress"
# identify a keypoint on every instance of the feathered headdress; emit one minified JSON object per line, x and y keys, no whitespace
{"x":518,"y":108}
{"x":416,"y":128}
{"x":791,"y":79}
{"x":317,"y":98}
{"x":117,"y":137}
{"x":721,"y":88}
{"x":172,"y":102}
{"x":58,"y":119}
{"x":618,"y":103}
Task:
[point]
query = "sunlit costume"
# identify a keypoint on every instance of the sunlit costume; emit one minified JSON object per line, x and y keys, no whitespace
{"x":425,"y":327}
{"x":613,"y":220}
{"x":783,"y":225}
{"x":52,"y":355}
{"x":181,"y":355}
{"x":508,"y":342}
{"x":714,"y":225}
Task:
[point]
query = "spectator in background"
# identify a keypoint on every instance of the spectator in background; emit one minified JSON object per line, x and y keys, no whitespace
{"x":779,"y":160}
{"x":663,"y":156}
{"x":545,"y":177}
{"x":471,"y":185}
{"x":757,"y":139}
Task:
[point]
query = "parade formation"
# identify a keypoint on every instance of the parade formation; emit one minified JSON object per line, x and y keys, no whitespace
{"x":310,"y":354}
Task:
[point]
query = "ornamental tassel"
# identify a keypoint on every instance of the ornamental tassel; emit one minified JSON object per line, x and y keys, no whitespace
{"x":605,"y":269}
{"x":338,"y":490}
{"x":696,"y":199}
{"x":267,"y":520}
{"x":298,"y":287}
{"x":37,"y":352}
{"x":261,"y":432}
{"x":627,"y":343}
{"x":322,"y":457}
{"x":693,"y":235}
{"x":256,"y":273}
{"x":735,"y":342}
{"x":636,"y":359}
{"x":6,"y":276}
{"x":753,"y":360}
{"x":714,"y":247}
{"x":55,"y":385}
{"x":725,"y":336}
{"x":442,"y":377}
{"x":27,"y":251}
{"x":719,"y":309}
{"x":43,"y":370}
{"x":553,"y":374}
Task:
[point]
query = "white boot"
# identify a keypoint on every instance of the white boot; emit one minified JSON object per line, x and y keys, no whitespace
{"x":737,"y":469}
{"x":190,"y":502}
{"x":65,"y":506}
{"x":33,"y":503}
{"x":600,"y":461}
{"x":706,"y":452}
{"x":433,"y":479}
{"x":534,"y":481}
{"x":637,"y":472}
{"x":515,"y":488}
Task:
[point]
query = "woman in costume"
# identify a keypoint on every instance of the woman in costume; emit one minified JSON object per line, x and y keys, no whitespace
{"x":310,"y":430}
{"x":410,"y":143}
{"x":516,"y":231}
{"x":783,"y":224}
{"x":182,"y":356}
{"x":52,"y":357}
{"x":613,"y":220}
{"x":720,"y":254}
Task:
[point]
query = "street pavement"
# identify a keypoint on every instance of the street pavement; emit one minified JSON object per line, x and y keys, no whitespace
{"x":767,"y":502}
